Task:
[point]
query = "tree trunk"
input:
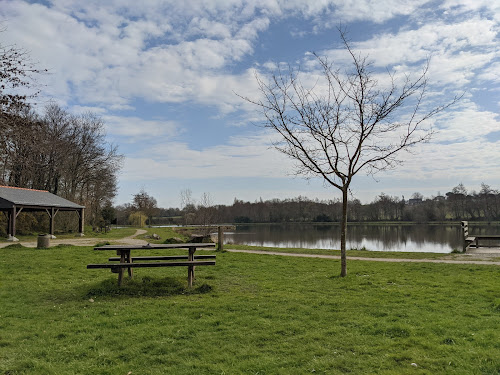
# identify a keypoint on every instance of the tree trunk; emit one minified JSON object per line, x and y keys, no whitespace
{"x":343,"y":233}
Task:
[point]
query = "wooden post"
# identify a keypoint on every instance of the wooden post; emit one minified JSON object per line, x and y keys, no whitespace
{"x":220,"y":238}
{"x":121,"y":253}
{"x":191,"y":268}
{"x":465,"y":234}
{"x":13,"y":223}
{"x":9,"y":223}
{"x":81,"y":223}
{"x":12,"y":216}
{"x":129,"y":260}
{"x":465,"y":229}
{"x":51,"y":229}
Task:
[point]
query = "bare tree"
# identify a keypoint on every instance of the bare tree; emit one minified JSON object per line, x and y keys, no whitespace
{"x":16,"y":78}
{"x":346,"y":122}
{"x":64,"y":154}
{"x":417,"y":196}
{"x":17,"y":87}
{"x":206,"y":213}
{"x":188,"y":206}
{"x":186,"y":198}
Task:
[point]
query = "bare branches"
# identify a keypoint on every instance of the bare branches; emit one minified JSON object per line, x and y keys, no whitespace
{"x":345,"y":122}
{"x":16,"y":78}
{"x":64,"y":154}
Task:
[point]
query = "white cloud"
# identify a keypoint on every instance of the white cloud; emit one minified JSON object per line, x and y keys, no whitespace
{"x":111,"y":61}
{"x":459,"y":161}
{"x":250,"y":156}
{"x":465,"y":7}
{"x":374,"y":10}
{"x":209,"y":28}
{"x":140,"y":130}
{"x":104,"y":54}
{"x":79,"y":109}
{"x":459,"y":150}
{"x":180,"y":51}
{"x":456,"y":50}
{"x":491,"y":73}
{"x":466,"y":125}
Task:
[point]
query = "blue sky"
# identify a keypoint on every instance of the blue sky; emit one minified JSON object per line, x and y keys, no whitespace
{"x":163,"y":76}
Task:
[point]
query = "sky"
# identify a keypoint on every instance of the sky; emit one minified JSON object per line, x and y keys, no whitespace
{"x":165,"y":76}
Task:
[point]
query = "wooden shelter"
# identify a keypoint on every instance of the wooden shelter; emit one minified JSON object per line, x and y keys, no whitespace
{"x":13,"y":200}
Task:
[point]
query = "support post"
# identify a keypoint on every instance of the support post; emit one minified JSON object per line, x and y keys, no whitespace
{"x":465,"y":229}
{"x":120,"y":276}
{"x":220,"y":238}
{"x":52,"y":214}
{"x":9,"y":223}
{"x":12,"y":225}
{"x":13,"y":217}
{"x":51,"y":229}
{"x":81,"y":223}
{"x":465,"y":234}
{"x":191,"y":268}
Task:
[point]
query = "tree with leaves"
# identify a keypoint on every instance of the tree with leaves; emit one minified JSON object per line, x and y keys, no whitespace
{"x":345,"y":122}
{"x":145,"y":203}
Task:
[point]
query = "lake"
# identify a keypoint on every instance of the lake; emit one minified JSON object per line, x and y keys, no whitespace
{"x":435,"y":238}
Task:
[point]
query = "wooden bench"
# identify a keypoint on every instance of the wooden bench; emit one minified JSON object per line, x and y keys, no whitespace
{"x":469,"y":240}
{"x":126,"y":261}
{"x":164,"y":257}
{"x":153,"y":264}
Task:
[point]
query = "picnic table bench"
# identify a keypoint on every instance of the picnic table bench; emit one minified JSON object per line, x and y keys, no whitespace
{"x":126,"y":261}
{"x":473,"y":239}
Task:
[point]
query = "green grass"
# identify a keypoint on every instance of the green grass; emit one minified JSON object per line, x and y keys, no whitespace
{"x":250,"y":314}
{"x":165,"y":233}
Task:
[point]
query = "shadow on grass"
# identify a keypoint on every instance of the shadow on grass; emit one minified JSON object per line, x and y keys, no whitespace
{"x":144,"y":286}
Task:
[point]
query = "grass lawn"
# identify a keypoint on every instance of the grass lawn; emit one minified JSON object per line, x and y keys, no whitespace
{"x":250,"y":314}
{"x":165,"y":233}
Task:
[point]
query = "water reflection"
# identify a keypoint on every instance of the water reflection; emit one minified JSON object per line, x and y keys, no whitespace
{"x":380,"y":237}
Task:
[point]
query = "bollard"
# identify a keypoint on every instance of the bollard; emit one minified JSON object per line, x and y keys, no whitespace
{"x":43,"y":241}
{"x":220,"y":239}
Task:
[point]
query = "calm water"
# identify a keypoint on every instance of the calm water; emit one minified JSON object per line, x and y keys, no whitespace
{"x":413,"y":238}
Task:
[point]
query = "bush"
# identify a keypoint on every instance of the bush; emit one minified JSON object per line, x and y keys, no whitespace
{"x":137,"y":219}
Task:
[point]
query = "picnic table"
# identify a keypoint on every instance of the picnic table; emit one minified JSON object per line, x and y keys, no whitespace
{"x":126,"y":261}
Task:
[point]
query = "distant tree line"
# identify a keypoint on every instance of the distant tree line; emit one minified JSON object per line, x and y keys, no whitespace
{"x":457,"y":204}
{"x":143,"y":210}
{"x":54,"y":150}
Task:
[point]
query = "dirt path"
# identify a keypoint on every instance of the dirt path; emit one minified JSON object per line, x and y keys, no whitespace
{"x":337,"y":257}
{"x":84,"y":241}
{"x":131,"y":240}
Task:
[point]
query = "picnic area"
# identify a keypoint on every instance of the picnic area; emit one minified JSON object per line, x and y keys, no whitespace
{"x":249,"y":314}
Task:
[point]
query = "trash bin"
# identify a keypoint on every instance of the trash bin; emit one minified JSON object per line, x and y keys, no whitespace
{"x":43,"y":241}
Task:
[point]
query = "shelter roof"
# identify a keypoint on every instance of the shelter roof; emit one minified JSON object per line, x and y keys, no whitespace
{"x":10,"y":196}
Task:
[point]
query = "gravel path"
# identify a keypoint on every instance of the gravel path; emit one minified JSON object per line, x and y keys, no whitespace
{"x":83,"y":241}
{"x":337,"y":257}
